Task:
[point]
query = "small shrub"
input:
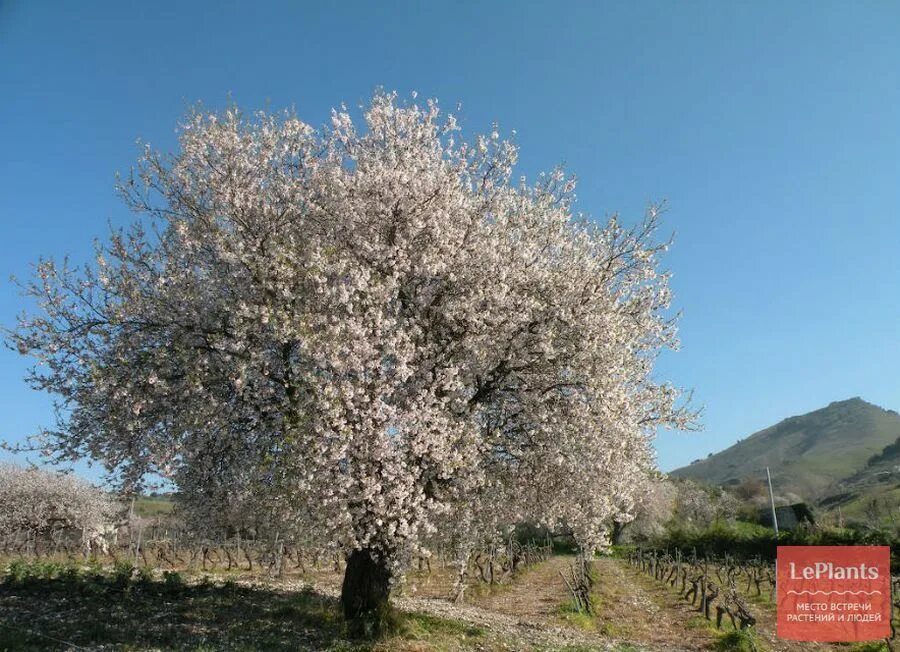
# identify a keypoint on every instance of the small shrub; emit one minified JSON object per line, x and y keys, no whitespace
{"x":17,"y":572}
{"x":570,"y":612}
{"x":93,"y":572}
{"x":122,"y":571}
{"x":70,"y":573}
{"x":144,"y":575}
{"x":379,"y":623}
{"x":870,"y":646}
{"x":738,"y":640}
{"x":45,"y":570}
{"x":425,"y":626}
{"x":612,"y":630}
{"x":173,"y":581}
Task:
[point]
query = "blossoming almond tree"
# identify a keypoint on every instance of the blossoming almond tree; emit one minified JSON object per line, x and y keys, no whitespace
{"x":375,"y":329}
{"x":39,"y":504}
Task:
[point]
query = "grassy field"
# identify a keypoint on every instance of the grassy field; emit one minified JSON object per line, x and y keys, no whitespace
{"x":151,"y":506}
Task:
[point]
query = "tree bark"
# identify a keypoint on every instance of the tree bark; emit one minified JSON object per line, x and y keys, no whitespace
{"x":365,"y":593}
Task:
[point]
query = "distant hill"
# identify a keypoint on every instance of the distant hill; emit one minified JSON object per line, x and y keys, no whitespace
{"x":811,"y":455}
{"x":871,"y":493}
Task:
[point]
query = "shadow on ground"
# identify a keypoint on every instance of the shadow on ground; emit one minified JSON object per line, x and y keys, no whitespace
{"x":92,"y":613}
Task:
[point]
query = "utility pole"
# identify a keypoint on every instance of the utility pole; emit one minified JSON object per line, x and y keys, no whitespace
{"x":772,"y":500}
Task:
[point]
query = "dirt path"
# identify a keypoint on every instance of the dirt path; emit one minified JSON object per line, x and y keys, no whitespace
{"x":691,"y":622}
{"x":525,"y":613}
{"x":647,"y":614}
{"x":630,"y":616}
{"x":515,"y":632}
{"x":536,"y":594}
{"x":764,"y":612}
{"x":634,"y":612}
{"x":518,"y":616}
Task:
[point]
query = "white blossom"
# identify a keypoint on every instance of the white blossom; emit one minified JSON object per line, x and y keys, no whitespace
{"x":39,"y":503}
{"x":372,"y":327}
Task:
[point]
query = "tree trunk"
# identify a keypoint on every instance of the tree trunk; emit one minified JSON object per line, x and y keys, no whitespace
{"x":365,"y":592}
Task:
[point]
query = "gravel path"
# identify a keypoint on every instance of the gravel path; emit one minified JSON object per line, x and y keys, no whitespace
{"x":523,"y":615}
{"x":646,"y":612}
{"x":517,"y":632}
{"x":673,"y":618}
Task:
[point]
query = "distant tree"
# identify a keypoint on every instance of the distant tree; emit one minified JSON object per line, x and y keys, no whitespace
{"x":699,"y":505}
{"x":377,"y":328}
{"x":877,"y":512}
{"x":693,"y":504}
{"x":725,"y":506}
{"x":653,"y":510}
{"x":39,"y":504}
{"x":752,"y":490}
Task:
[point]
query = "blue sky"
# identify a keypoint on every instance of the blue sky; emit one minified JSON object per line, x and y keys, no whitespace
{"x":771,"y":129}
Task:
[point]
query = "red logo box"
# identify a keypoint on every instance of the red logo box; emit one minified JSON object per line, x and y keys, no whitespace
{"x":834,"y":593}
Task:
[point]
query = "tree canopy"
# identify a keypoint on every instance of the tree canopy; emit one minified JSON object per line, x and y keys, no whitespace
{"x":375,"y":331}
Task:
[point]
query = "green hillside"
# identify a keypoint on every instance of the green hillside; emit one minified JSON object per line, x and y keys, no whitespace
{"x":872,"y":494}
{"x":809,"y":455}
